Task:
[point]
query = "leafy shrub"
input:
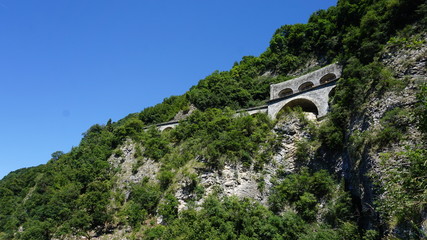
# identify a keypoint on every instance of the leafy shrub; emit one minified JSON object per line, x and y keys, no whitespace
{"x":146,"y":195}
{"x":118,"y":153}
{"x":221,"y":135}
{"x":404,"y":184}
{"x":156,"y":145}
{"x":331,"y":135}
{"x":169,"y":208}
{"x":165,"y":111}
{"x":37,"y":230}
{"x":307,"y":206}
{"x":165,"y":177}
{"x":394,"y":124}
{"x":340,"y":208}
{"x":422,"y":108}
{"x":133,"y":214}
{"x":131,"y":128}
{"x":294,"y":186}
{"x":230,"y":219}
{"x":95,"y":203}
{"x":303,"y":151}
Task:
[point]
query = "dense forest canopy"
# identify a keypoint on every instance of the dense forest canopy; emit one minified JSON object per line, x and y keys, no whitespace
{"x":72,"y":194}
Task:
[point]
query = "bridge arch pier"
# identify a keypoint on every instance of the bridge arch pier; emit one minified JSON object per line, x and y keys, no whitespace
{"x":167,"y":126}
{"x":310,"y":101}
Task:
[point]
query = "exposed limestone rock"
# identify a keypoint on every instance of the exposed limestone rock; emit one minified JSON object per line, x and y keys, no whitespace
{"x":183,"y":114}
{"x":128,"y":171}
{"x":246,"y":182}
{"x":309,"y":66}
{"x":408,"y":61}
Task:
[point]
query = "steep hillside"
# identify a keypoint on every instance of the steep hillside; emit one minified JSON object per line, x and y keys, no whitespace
{"x":357,"y":173}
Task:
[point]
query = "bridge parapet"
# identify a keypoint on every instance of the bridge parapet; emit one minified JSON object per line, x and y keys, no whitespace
{"x":302,"y":83}
{"x":164,"y":126}
{"x":252,"y":111}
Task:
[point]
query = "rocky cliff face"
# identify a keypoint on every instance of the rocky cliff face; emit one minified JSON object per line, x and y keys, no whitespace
{"x":362,"y":159}
{"x":232,"y":180}
{"x":131,"y":167}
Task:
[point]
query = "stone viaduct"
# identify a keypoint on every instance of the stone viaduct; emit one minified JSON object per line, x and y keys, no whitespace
{"x":310,"y":92}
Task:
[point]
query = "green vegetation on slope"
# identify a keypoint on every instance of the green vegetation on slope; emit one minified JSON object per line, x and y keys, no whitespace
{"x":73,"y":192}
{"x":231,"y":218}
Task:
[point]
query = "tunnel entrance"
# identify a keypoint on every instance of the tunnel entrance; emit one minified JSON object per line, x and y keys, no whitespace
{"x":305,"y":104}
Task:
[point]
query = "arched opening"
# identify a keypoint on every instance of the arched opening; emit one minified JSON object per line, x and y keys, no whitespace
{"x":331,"y":93}
{"x":285,"y":92}
{"x":305,"y":86}
{"x":327,"y":78}
{"x":168,"y":129}
{"x":305,"y":104}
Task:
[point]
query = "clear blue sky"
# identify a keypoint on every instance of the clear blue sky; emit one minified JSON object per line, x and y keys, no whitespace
{"x":68,"y":64}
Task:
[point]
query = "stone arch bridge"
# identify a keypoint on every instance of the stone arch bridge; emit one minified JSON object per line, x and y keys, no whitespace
{"x":310,"y":92}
